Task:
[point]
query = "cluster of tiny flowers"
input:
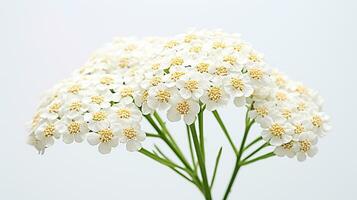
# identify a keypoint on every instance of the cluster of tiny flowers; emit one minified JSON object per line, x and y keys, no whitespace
{"x":103,"y":101}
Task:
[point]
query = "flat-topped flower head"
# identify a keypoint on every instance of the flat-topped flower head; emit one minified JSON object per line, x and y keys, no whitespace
{"x":179,"y":76}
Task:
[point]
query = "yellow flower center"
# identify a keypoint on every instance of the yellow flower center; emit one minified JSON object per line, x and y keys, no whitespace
{"x":106,"y":80}
{"x":97,"y":99}
{"x":163,"y":96}
{"x":288,"y":146}
{"x":123,"y":62}
{"x":262,"y":111}
{"x":191,"y":85}
{"x":221,"y":71}
{"x":230,"y":59}
{"x":176,"y":61}
{"x":280,"y":81}
{"x":99,"y":116}
{"x":49,"y":130}
{"x":255,"y":73}
{"x":196,"y":49}
{"x":155,"y":81}
{"x":301,"y":106}
{"x":214,"y":93}
{"x":281,"y":96}
{"x":287,"y":114}
{"x":106,"y":135}
{"x":126,"y":92}
{"x":253,"y":57}
{"x":155,"y":66}
{"x":188,"y":38}
{"x":74,"y":89}
{"x":75,"y":106}
{"x":123,"y":113}
{"x":305,"y":145}
{"x":171,"y":44}
{"x":74,"y":128}
{"x":277,"y":130}
{"x":176,"y":75}
{"x":237,"y":84}
{"x":129,"y":133}
{"x":299,"y":128}
{"x":183,"y":107}
{"x":238,"y":47}
{"x":301,"y":89}
{"x":54,"y":108}
{"x":218,"y":45}
{"x":316,"y":121}
{"x":202,"y":67}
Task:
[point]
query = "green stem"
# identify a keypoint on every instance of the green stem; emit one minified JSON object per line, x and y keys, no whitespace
{"x":256,"y":151}
{"x":152,"y":135}
{"x":216,"y":167}
{"x":191,"y":149}
{"x":168,"y":142}
{"x":200,"y":125}
{"x":265,"y":156}
{"x":225,"y":131}
{"x":202,"y":165}
{"x":253,"y":143}
{"x":238,"y":159}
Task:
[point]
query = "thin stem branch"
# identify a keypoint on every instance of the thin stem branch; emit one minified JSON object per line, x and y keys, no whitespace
{"x":200,"y":127}
{"x":153,"y":135}
{"x":225,"y":131}
{"x":252,"y":143}
{"x":265,"y":156}
{"x":216,"y":167}
{"x":168,"y":142}
{"x":256,"y":151}
{"x":202,"y":165}
{"x":248,"y":125}
{"x":191,"y":148}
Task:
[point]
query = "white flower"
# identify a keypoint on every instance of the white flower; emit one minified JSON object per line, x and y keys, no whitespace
{"x":98,"y":99}
{"x":261,"y":111}
{"x":238,"y":86}
{"x":320,"y":123}
{"x":215,"y":96}
{"x":140,"y":100}
{"x":277,"y":131}
{"x":160,"y":97}
{"x":183,"y":108}
{"x":48,"y":131}
{"x":125,"y":113}
{"x":306,"y":146}
{"x":39,"y":145}
{"x":73,"y":130}
{"x":124,"y":93}
{"x":132,"y":135}
{"x":53,"y":111}
{"x":286,"y":149}
{"x":75,"y":108}
{"x":97,"y":120}
{"x":107,"y":138}
{"x":192,"y":85}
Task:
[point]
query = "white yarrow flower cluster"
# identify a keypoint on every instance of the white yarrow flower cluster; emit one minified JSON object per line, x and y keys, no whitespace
{"x":104,"y":101}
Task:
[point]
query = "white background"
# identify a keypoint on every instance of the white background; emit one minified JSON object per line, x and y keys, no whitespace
{"x":41,"y":42}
